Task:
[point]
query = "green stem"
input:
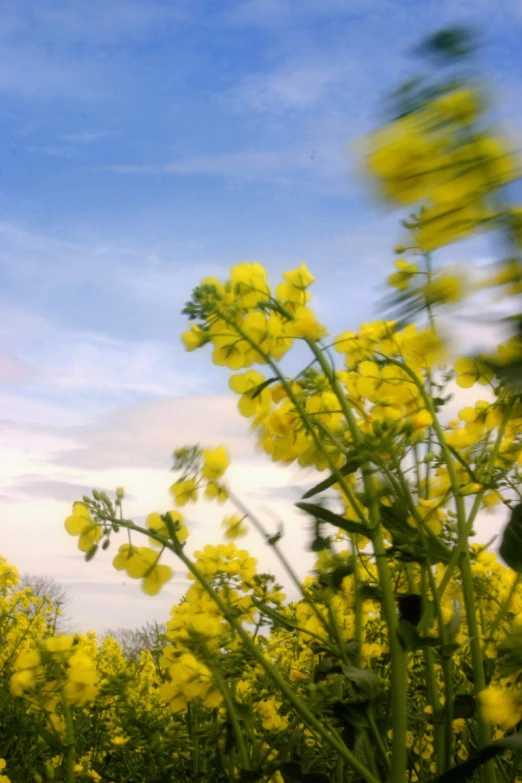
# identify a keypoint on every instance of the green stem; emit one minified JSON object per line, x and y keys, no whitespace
{"x":194,"y":735}
{"x":377,"y":737}
{"x":477,"y":503}
{"x":432,"y":689}
{"x":357,"y":605}
{"x":398,"y":675}
{"x":503,"y":610}
{"x":70,"y":776}
{"x":282,"y":559}
{"x":464,"y":567}
{"x":447,"y":669}
{"x":329,"y":735}
{"x":232,"y":714}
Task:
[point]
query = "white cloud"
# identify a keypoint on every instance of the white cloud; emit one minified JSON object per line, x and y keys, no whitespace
{"x":31,"y":72}
{"x":59,"y":360}
{"x":291,"y":87}
{"x":257,"y":165}
{"x":14,"y":371}
{"x":57,"y":50}
{"x":277,"y":14}
{"x":92,"y":22}
{"x":273,"y":13}
{"x":324,"y":163}
{"x":86,"y":137}
{"x":44,"y":471}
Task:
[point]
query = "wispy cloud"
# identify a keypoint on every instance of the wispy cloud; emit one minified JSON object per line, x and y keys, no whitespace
{"x":86,"y":137}
{"x":57,"y":361}
{"x":235,"y":165}
{"x":93,"y":22}
{"x":132,"y":447}
{"x":295,"y":87}
{"x":270,"y":13}
{"x":145,"y":435}
{"x":275,"y":13}
{"x":325,"y":164}
{"x":14,"y":371}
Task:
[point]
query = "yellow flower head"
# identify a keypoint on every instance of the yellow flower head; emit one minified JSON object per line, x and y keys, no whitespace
{"x":215,"y":462}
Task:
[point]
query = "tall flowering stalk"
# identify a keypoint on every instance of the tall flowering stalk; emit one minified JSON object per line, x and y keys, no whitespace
{"x":384,"y":668}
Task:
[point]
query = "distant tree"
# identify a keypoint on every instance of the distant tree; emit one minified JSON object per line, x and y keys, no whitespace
{"x":151,"y":636}
{"x":46,"y":587}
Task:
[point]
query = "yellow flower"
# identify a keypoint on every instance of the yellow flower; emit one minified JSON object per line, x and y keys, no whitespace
{"x":422,"y":420}
{"x":444,"y":289}
{"x":213,"y":490}
{"x":155,"y":578}
{"x":306,"y":326}
{"x":215,"y":462}
{"x":500,"y":707}
{"x":245,"y":384}
{"x":119,"y":741}
{"x":82,"y":679}
{"x":249,"y":283}
{"x":125,"y":552}
{"x":81,"y":524}
{"x":470,"y":371}
{"x":59,"y":646}
{"x":293,"y":290}
{"x":491,"y":499}
{"x":271,"y":718}
{"x":184,"y":490}
{"x":461,"y":105}
{"x":405,"y":271}
{"x":234,"y":527}
{"x":300,"y":278}
{"x":194,"y":337}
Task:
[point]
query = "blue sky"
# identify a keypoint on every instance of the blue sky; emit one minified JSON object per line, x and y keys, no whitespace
{"x":145,"y":145}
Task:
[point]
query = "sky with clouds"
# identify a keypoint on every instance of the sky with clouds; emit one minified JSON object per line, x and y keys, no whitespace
{"x":146,"y":144}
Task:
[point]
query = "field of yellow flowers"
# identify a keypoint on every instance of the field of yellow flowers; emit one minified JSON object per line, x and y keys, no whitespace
{"x":402,"y":658}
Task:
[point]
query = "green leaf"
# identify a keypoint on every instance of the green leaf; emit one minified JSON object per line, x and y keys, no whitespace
{"x":464,"y":771}
{"x":407,"y":543}
{"x":53,"y":742}
{"x":410,"y":638}
{"x":350,"y":714}
{"x":334,"y":579}
{"x":365,"y":682}
{"x":410,"y":608}
{"x":511,"y":547}
{"x":256,"y":391}
{"x":408,"y":635}
{"x":370,"y":593}
{"x":351,"y":466}
{"x":351,"y":647}
{"x":243,"y":711}
{"x":510,"y":652}
{"x":319,"y":544}
{"x":325,"y":515}
{"x":275,"y":616}
{"x":293,"y":771}
{"x":448,"y":44}
{"x":250,"y":775}
{"x":273,"y":540}
{"x":464,"y":706}
{"x":326,"y":666}
{"x":90,"y":554}
{"x":438,"y":551}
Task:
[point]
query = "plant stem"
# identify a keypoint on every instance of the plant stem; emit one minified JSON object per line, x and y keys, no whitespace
{"x":70,"y":775}
{"x":464,"y":567}
{"x":398,"y":675}
{"x":329,"y":735}
{"x":232,"y":714}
